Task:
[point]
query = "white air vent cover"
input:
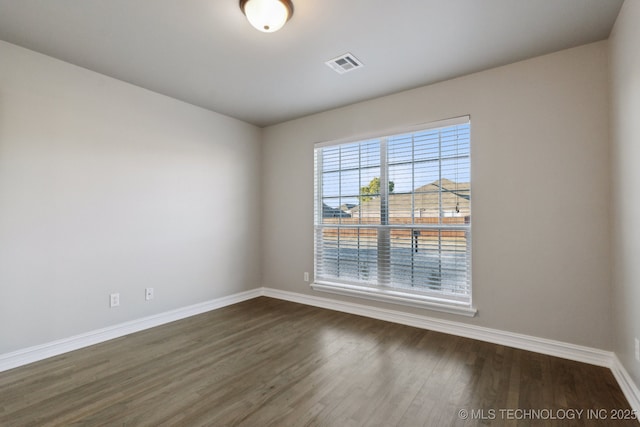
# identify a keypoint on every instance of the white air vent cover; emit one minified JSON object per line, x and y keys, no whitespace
{"x":344,"y":63}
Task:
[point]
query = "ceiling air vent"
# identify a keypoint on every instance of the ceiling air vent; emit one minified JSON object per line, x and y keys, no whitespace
{"x":344,"y":63}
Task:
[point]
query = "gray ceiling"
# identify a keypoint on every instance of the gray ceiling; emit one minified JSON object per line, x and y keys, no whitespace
{"x":205,"y":52}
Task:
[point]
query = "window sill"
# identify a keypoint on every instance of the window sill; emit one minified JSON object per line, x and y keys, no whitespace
{"x":397,"y":297}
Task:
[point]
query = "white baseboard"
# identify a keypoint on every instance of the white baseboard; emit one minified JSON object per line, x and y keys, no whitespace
{"x":629,"y":388}
{"x":578,"y":353}
{"x":54,"y":348}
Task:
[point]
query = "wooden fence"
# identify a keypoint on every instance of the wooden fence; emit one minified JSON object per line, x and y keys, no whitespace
{"x":403,"y":233}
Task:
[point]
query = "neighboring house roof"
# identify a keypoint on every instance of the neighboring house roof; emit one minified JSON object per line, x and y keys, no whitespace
{"x":426,"y":200}
{"x":329,"y":212}
{"x":347,"y":206}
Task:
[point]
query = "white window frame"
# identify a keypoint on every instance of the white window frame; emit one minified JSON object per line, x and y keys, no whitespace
{"x":433,"y":300}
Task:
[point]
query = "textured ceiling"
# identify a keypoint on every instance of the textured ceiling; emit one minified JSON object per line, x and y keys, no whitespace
{"x":205,"y":52}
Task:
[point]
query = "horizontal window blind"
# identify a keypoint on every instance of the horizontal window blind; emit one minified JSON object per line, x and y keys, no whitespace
{"x":395,"y":212}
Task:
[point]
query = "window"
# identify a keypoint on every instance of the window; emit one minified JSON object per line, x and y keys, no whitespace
{"x":393,"y":217}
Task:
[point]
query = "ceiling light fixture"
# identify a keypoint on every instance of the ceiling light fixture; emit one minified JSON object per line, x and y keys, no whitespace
{"x":267,"y":15}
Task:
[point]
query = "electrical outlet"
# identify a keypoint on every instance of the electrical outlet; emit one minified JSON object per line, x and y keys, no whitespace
{"x":148,"y":294}
{"x":637,"y":350}
{"x":114,"y":300}
{"x":306,"y":276}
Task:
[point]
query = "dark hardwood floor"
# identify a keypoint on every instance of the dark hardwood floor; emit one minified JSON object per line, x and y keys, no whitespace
{"x":266,"y":362}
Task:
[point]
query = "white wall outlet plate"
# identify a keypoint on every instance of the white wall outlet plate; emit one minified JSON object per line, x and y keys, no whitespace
{"x":306,"y":276}
{"x":637,"y":350}
{"x":114,"y":300}
{"x":148,"y":294}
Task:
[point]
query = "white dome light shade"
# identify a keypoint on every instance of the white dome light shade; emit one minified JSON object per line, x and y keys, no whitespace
{"x":267,"y":15}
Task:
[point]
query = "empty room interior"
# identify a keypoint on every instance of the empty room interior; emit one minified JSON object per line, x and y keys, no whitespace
{"x":329,"y":212}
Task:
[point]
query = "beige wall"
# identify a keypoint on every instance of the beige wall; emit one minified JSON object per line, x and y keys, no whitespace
{"x":106,"y":187}
{"x":625,"y":138}
{"x":540,"y":179}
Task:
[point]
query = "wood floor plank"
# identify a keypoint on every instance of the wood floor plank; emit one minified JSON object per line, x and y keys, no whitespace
{"x":267,"y":362}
